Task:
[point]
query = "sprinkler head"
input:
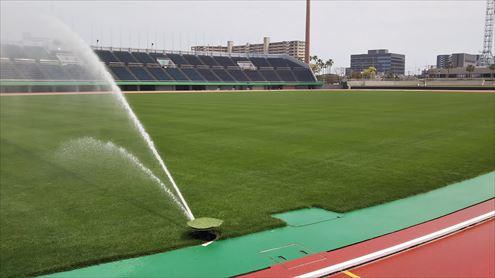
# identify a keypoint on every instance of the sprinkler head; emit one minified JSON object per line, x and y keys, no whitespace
{"x":204,"y":223}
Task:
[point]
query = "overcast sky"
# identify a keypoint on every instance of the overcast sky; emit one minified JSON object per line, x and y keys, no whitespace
{"x":418,"y":29}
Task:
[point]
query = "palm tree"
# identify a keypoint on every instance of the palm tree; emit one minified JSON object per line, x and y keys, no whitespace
{"x":316,"y":64}
{"x":328,"y":65}
{"x":319,"y":66}
{"x":372,"y":71}
{"x":492,"y":68}
{"x":369,"y":72}
{"x":470,"y":69}
{"x":449,"y":66}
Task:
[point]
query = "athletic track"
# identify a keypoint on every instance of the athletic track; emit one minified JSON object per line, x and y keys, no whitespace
{"x":461,"y":244}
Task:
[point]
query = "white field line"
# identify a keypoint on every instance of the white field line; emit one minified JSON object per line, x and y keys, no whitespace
{"x":207,"y":243}
{"x":396,"y":248}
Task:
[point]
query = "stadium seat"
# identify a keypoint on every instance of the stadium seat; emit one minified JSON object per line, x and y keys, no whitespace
{"x":304,"y":74}
{"x":37,"y":53}
{"x":294,"y":64}
{"x":125,"y":57}
{"x":121,"y":73}
{"x":238,"y":75}
{"x":270,"y":75}
{"x":141,"y":73}
{"x":193,"y":74}
{"x":208,"y":75}
{"x":224,"y":61}
{"x":159,"y":74}
{"x":77,"y":72}
{"x":224,"y":75}
{"x":260,"y":62}
{"x":254,"y":76}
{"x":143,"y":57}
{"x":54,"y":72}
{"x":208,"y":60}
{"x":239,"y":59}
{"x":30,"y":70}
{"x":178,"y":59}
{"x":278,"y":62}
{"x":176,"y":74}
{"x":192,"y":60}
{"x":286,"y":75}
{"x":106,"y":56}
{"x":8,"y":71}
{"x":157,"y":55}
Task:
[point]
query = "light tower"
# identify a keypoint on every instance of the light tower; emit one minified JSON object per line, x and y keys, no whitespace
{"x":486,"y":58}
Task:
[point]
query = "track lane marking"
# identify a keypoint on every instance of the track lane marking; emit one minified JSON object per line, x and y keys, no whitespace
{"x":350,"y":274}
{"x":396,"y":248}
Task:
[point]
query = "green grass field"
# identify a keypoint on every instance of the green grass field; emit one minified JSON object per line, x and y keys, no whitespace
{"x":240,"y":157}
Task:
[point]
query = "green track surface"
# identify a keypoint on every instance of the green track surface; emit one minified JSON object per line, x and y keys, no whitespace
{"x":68,"y":199}
{"x":257,"y":251}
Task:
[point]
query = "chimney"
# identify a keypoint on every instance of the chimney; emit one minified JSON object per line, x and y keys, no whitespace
{"x":266,"y":45}
{"x":308,"y":29}
{"x":230,"y":45}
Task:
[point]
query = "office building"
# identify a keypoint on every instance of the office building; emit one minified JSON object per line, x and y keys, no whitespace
{"x":384,"y":62}
{"x":456,"y":60}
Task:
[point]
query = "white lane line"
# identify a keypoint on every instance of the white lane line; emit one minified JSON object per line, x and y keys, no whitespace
{"x":207,"y":243}
{"x":396,"y":248}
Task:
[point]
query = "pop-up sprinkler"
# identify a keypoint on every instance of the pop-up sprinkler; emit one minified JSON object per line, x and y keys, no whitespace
{"x":205,"y":227}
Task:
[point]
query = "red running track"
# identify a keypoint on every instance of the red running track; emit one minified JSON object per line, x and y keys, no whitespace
{"x":450,"y":258}
{"x":467,"y":253}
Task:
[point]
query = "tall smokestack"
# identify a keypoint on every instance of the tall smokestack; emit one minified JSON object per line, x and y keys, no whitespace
{"x":308,"y":19}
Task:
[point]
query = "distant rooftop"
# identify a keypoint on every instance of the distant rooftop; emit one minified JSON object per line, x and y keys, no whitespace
{"x":378,"y":51}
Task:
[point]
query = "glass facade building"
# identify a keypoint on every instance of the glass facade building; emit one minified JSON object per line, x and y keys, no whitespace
{"x":381,"y":59}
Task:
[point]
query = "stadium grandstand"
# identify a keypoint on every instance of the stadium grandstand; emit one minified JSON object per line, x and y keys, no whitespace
{"x":38,"y":69}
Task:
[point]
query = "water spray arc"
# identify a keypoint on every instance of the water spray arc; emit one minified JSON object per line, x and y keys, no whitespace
{"x":75,"y":147}
{"x":95,"y":62}
{"x":152,"y":147}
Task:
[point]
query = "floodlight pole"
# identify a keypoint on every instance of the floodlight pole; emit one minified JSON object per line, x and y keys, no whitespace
{"x":307,"y":44}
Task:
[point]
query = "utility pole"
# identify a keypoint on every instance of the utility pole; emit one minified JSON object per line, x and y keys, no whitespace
{"x":308,"y":21}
